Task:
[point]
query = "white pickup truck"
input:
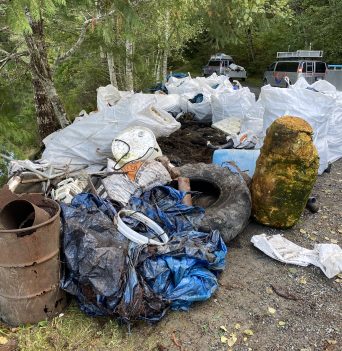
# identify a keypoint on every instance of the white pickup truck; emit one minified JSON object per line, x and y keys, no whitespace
{"x":224,"y":64}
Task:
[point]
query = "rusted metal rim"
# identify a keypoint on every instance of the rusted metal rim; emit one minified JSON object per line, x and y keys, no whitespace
{"x":33,"y":228}
{"x":36,"y":262}
{"x":32,"y":296}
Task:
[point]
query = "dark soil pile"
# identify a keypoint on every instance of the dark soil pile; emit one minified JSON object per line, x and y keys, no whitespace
{"x":189,"y":143}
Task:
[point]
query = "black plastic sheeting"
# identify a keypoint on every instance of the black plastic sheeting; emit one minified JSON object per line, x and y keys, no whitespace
{"x":94,"y":254}
{"x":111,"y":276}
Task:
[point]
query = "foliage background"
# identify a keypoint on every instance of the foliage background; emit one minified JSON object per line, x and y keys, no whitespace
{"x":198,"y":29}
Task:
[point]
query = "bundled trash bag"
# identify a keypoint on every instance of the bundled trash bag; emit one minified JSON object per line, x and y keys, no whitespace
{"x":184,"y":270}
{"x":111,"y":276}
{"x":94,"y":254}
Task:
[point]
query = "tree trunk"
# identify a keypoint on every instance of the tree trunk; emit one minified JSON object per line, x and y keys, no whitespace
{"x":129,"y":65}
{"x":49,"y":108}
{"x":164,"y":65}
{"x":111,"y":69}
{"x":158,"y":72}
{"x":166,"y":51}
{"x":250,"y":44}
{"x":157,"y":67}
{"x":44,"y":110}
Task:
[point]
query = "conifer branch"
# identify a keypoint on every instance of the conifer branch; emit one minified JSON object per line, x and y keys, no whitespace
{"x":82,"y":35}
{"x":11,"y":56}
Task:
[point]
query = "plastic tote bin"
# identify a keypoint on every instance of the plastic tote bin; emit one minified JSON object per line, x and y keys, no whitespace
{"x":244,"y":159}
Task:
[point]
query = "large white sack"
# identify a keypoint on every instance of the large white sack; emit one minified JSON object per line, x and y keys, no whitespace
{"x":221,"y":88}
{"x":214,"y":84}
{"x":107,"y":96}
{"x":88,"y":141}
{"x":182,"y":85}
{"x":315,"y":108}
{"x":323,"y":86}
{"x":168,"y":102}
{"x":212,"y":80}
{"x":201,"y":110}
{"x":253,"y":121}
{"x":335,"y":121}
{"x":335,"y":130}
{"x":233,"y":103}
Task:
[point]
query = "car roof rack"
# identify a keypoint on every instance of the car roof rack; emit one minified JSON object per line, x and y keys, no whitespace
{"x":300,"y":54}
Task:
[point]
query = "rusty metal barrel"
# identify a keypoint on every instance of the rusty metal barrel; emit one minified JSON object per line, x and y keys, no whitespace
{"x":30,"y":268}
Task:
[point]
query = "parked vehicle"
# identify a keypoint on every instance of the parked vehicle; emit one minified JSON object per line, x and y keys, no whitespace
{"x":335,"y":67}
{"x":334,"y":75}
{"x":301,"y":63}
{"x":223,"y":64}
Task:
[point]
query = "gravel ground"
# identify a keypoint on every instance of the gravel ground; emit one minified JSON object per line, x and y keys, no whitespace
{"x":285,"y":307}
{"x":261,"y":304}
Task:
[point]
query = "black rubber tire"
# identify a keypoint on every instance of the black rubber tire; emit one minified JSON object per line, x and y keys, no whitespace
{"x":231,"y":211}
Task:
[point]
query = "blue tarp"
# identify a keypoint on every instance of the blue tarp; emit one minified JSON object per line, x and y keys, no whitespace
{"x":197,"y":99}
{"x":111,"y":276}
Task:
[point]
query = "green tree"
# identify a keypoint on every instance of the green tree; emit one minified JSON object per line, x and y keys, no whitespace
{"x":26,"y":22}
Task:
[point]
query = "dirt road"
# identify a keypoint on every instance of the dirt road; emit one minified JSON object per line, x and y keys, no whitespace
{"x":261,"y":304}
{"x":285,"y":307}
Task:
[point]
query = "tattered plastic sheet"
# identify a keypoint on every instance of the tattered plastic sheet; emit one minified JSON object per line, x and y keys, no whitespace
{"x":120,"y":188}
{"x":328,"y":257}
{"x":111,"y":276}
{"x":185,"y":270}
{"x":164,"y":205}
{"x":94,"y":254}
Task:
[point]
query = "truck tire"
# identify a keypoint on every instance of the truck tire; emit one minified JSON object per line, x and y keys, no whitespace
{"x":227,"y":200}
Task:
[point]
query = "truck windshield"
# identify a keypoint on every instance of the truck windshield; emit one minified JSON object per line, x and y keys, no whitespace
{"x":214,"y":63}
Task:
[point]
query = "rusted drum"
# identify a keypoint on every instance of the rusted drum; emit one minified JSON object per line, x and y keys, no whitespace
{"x":30,"y":268}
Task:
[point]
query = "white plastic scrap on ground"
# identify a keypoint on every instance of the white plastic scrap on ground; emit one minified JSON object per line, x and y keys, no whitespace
{"x":328,"y":257}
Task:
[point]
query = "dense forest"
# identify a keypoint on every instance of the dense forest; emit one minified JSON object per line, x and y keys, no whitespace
{"x":55,"y":53}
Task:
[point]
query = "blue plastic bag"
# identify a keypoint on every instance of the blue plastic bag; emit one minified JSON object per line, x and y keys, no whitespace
{"x":111,"y":276}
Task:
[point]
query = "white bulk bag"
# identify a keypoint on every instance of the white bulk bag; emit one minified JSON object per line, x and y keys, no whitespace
{"x":201,"y":110}
{"x":88,"y":142}
{"x":315,"y":108}
{"x":233,"y":103}
{"x":182,"y":85}
{"x":169,"y":102}
{"x":107,"y":96}
{"x":335,"y":130}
